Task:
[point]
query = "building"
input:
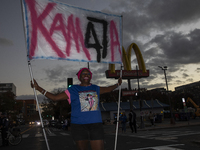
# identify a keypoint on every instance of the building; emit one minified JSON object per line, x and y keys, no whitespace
{"x":5,"y":87}
{"x":109,"y":110}
{"x":163,"y":90}
{"x":192,"y":88}
{"x":29,"y":111}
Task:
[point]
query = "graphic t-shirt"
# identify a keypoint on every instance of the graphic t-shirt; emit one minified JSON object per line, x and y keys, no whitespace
{"x":84,"y":104}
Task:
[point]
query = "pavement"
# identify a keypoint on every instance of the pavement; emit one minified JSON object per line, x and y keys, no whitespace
{"x":166,"y":123}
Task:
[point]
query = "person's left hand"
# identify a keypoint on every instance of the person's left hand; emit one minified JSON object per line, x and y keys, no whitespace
{"x":120,"y":81}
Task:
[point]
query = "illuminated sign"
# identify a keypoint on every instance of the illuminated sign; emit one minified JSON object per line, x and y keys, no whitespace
{"x":128,"y":93}
{"x":127,"y":74}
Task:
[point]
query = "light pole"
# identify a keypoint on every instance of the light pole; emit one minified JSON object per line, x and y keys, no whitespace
{"x":131,"y":97}
{"x":140,"y":100}
{"x":164,"y":68}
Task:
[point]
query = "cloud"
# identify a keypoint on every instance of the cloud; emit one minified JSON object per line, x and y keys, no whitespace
{"x":153,"y":86}
{"x":40,"y":97}
{"x":167,"y":33}
{"x":143,"y":18}
{"x":5,"y":42}
{"x":179,"y":82}
{"x":23,"y":97}
{"x":178,"y":48}
{"x":161,"y":31}
{"x":172,"y":13}
{"x":185,"y":75}
{"x":190,"y":80}
{"x":58,"y":74}
{"x":198,"y":70}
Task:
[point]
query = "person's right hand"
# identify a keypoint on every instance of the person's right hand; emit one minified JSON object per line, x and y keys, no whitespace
{"x":35,"y":84}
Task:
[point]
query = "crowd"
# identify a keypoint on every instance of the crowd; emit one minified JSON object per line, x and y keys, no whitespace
{"x":131,"y":120}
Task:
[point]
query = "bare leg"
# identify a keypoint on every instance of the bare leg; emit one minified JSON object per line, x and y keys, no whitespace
{"x":82,"y":145}
{"x":97,"y":144}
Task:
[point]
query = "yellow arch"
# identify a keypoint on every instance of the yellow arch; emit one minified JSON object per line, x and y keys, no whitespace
{"x":126,"y":59}
{"x":139,"y":57}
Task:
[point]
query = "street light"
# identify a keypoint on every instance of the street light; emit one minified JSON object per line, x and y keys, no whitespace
{"x":140,"y":100}
{"x":164,"y":68}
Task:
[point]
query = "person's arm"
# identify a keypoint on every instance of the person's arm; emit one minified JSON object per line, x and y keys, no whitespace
{"x":61,"y":96}
{"x":110,"y":88}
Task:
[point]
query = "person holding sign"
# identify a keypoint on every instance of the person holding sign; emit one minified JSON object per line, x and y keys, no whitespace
{"x":86,"y":121}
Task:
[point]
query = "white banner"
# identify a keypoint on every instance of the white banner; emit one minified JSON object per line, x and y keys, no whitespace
{"x":56,"y":30}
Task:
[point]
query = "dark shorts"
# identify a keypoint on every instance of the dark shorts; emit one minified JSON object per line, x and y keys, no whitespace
{"x":92,"y":131}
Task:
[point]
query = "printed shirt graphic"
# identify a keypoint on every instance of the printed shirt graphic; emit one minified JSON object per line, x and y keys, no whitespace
{"x":85,"y":104}
{"x":88,"y":101}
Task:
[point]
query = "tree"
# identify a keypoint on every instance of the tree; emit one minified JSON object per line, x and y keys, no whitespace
{"x":58,"y":109}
